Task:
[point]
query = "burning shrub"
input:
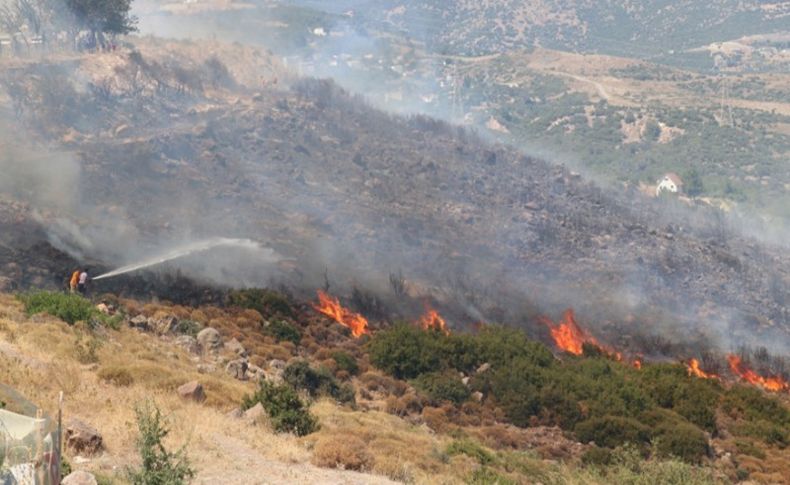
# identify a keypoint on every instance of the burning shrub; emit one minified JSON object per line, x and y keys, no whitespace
{"x":287,"y":412}
{"x":283,"y":332}
{"x":70,"y":308}
{"x":443,"y":386}
{"x":345,"y":362}
{"x":612,"y":431}
{"x":346,"y":451}
{"x":267,"y":302}
{"x":682,"y":440}
{"x":316,"y":383}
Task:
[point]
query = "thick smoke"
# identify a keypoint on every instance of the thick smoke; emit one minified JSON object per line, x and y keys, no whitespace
{"x":164,"y":217}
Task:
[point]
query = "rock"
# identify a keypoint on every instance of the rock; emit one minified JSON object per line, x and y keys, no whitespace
{"x":188,"y":343}
{"x":235,"y":413}
{"x":237,"y":369}
{"x":82,"y":438}
{"x":465,"y":380}
{"x":79,"y":477}
{"x":255,"y":373}
{"x":483,"y":368}
{"x":477,"y":396}
{"x":255,"y":413}
{"x":164,"y":325}
{"x":102,"y":307}
{"x":209,"y":340}
{"x":235,"y":346}
{"x":277,"y":364}
{"x":139,"y":322}
{"x":193,"y":391}
{"x":206,"y":368}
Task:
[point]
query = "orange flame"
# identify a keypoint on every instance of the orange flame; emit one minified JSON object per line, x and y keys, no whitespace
{"x":637,"y":364}
{"x":695,"y":370}
{"x":775,"y":383}
{"x":567,"y":335}
{"x":331,"y":307}
{"x":432,"y":320}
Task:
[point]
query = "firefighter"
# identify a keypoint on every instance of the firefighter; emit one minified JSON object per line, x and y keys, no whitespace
{"x":74,"y":281}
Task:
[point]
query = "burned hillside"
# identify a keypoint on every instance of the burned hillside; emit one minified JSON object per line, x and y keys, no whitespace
{"x":176,"y":147}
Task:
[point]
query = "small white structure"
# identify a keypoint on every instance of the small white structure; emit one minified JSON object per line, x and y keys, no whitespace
{"x":670,"y":182}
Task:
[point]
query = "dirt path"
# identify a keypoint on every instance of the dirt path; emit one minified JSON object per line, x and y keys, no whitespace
{"x":244,"y":465}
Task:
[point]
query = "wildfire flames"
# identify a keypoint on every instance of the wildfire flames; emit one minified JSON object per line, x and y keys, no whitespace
{"x":567,"y":335}
{"x":431,"y":320}
{"x":637,"y":364}
{"x":770,"y":383}
{"x":694,"y":370}
{"x":331,"y":307}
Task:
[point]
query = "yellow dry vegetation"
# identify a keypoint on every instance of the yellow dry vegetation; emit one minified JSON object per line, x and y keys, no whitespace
{"x":403,"y":451}
{"x":41,"y":356}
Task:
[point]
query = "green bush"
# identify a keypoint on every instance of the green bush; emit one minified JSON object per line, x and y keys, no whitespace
{"x":683,"y":441}
{"x":443,"y":386}
{"x":316,"y":383}
{"x":612,"y":431}
{"x":406,"y":351}
{"x":283,"y":331}
{"x":597,"y":456}
{"x":267,"y":302}
{"x":629,"y":467}
{"x":346,"y":362}
{"x":159,"y":466}
{"x":188,"y":327}
{"x":487,"y":476}
{"x":473,"y":449}
{"x":71,"y":308}
{"x":286,"y":410}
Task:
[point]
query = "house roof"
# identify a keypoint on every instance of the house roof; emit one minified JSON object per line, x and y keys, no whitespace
{"x":675,"y":178}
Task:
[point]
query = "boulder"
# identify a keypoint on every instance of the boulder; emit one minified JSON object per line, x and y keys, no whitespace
{"x":235,"y":413}
{"x":255,"y":373}
{"x":209,"y":340}
{"x":206,"y":368}
{"x":483,"y":368}
{"x":82,"y":438}
{"x":477,"y":396}
{"x":139,"y":322}
{"x":188,"y":343}
{"x":103,"y":308}
{"x":255,"y":413}
{"x":192,"y":391}
{"x":235,"y":346}
{"x":164,"y":325}
{"x":80,"y":477}
{"x":237,"y":369}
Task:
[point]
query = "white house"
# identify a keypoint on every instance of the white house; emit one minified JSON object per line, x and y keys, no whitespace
{"x":670,"y":182}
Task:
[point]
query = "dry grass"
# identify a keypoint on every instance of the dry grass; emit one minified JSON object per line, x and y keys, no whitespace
{"x":402,"y":451}
{"x":344,"y":450}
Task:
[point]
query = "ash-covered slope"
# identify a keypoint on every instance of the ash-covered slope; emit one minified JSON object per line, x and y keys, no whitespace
{"x":351,"y":194}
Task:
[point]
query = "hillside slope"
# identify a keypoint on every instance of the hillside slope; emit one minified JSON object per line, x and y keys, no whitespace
{"x":343,"y":190}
